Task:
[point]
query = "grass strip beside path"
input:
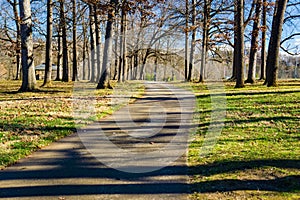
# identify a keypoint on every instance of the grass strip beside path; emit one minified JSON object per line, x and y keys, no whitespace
{"x":29,"y":121}
{"x":257,"y":155}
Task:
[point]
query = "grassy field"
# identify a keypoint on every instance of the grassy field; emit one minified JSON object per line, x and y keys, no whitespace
{"x":29,"y":121}
{"x":257,"y":155}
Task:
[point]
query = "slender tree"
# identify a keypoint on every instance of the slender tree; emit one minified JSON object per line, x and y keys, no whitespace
{"x":74,"y":21}
{"x":48,"y":58}
{"x":59,"y":53}
{"x":66,"y":77}
{"x":205,"y":37}
{"x":18,"y":39}
{"x":93,"y":44}
{"x":254,"y":43}
{"x":263,"y":41}
{"x":98,"y":43}
{"x":28,"y":79}
{"x":186,"y":62}
{"x":193,"y":41}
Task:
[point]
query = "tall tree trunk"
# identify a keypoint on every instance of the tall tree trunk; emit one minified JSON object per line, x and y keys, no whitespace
{"x":66,"y":77}
{"x":121,"y":59}
{"x":239,"y":47}
{"x":98,"y":43}
{"x":274,"y":45}
{"x":28,"y":80}
{"x":93,"y":44}
{"x":193,"y":42}
{"x":116,"y":52}
{"x":59,"y":54}
{"x":75,"y":70}
{"x":254,"y":43}
{"x":206,"y":25}
{"x":263,"y":41}
{"x":104,"y":81}
{"x":48,"y":58}
{"x":84,"y":49}
{"x":186,"y":62}
{"x":18,"y":39}
{"x":124,"y":41}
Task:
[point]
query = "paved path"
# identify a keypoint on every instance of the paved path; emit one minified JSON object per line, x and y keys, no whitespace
{"x":139,"y":138}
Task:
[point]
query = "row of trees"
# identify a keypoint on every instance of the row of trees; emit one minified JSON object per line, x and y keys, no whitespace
{"x":115,"y":39}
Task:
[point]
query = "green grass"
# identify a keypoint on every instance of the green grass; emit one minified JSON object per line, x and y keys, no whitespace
{"x":257,"y":155}
{"x":30,"y":121}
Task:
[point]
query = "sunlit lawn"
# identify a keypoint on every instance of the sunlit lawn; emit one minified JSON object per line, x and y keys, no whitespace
{"x":257,"y":155}
{"x":29,"y":121}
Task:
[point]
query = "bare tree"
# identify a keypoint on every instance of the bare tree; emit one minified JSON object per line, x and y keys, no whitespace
{"x":104,"y":81}
{"x":93,"y":44}
{"x":186,"y":40}
{"x":28,"y":80}
{"x":193,"y":41}
{"x":63,"y":24}
{"x":254,"y":43}
{"x":274,"y":44}
{"x":239,"y":42}
{"x":263,"y":41}
{"x":48,"y":58}
{"x":74,"y":21}
{"x":98,"y":43}
{"x":205,"y":36}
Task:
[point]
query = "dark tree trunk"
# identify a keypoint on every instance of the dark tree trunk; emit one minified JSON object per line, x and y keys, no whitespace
{"x":239,"y":46}
{"x":28,"y":78}
{"x":254,"y":43}
{"x":75,"y":70}
{"x":104,"y":81}
{"x":93,"y":45}
{"x":186,"y":62}
{"x":263,"y":42}
{"x":65,"y":77}
{"x":48,"y":59}
{"x":98,"y":43}
{"x":206,"y":25}
{"x":274,"y":45}
{"x":193,"y":42}
{"x":124,"y":41}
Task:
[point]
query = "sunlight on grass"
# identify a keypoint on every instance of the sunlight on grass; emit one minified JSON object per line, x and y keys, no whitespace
{"x":29,"y":121}
{"x":258,"y":153}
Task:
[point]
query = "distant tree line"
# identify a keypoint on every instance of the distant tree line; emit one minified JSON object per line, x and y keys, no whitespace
{"x":98,"y":41}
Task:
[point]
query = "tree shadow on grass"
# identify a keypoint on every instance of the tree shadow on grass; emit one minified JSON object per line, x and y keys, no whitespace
{"x":288,"y":183}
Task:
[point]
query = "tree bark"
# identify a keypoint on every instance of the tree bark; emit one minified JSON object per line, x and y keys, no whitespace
{"x":84,"y":50}
{"x":75,"y":70}
{"x":29,"y":79}
{"x":239,"y":46}
{"x":124,"y":41}
{"x":93,"y":44}
{"x":274,"y":44}
{"x":193,"y":42}
{"x":263,"y":41}
{"x":48,"y":58}
{"x":206,"y":25}
{"x":254,"y":43}
{"x":18,"y":39}
{"x":98,"y":44}
{"x":104,"y":81}
{"x":186,"y":62}
{"x":66,"y":77}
